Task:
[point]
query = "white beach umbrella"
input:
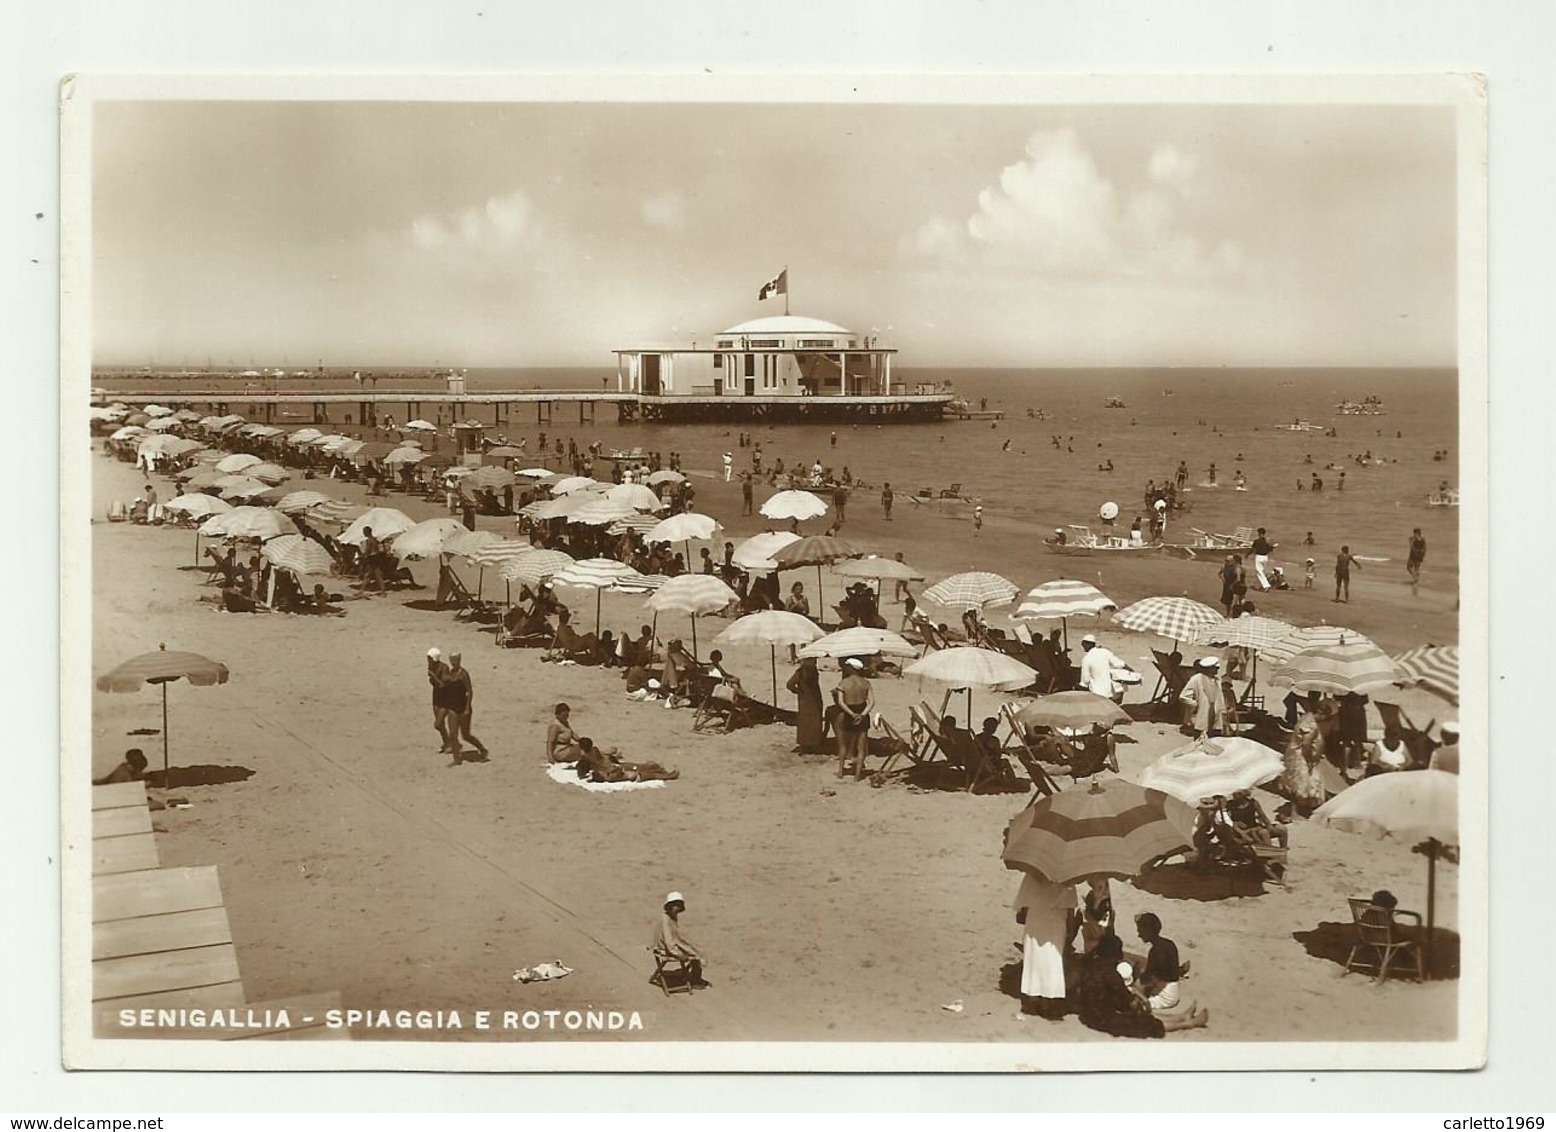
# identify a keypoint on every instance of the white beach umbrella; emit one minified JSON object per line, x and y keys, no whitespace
{"x":421,"y":426}
{"x":299,"y":501}
{"x":571,"y":484}
{"x":384,"y":522}
{"x":859,"y":641}
{"x":665,"y":475}
{"x":237,"y":462}
{"x":635,"y":496}
{"x":248,"y":522}
{"x":796,"y":505}
{"x":269,"y":473}
{"x":770,"y":627}
{"x":199,"y":505}
{"x":298,"y":554}
{"x":597,"y":574}
{"x":756,"y":553}
{"x":600,"y":512}
{"x":694,"y":594}
{"x":427,"y":538}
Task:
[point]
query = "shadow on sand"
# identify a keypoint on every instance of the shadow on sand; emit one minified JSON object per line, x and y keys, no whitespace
{"x":1332,"y":941}
{"x":1181,"y":882}
{"x":181,"y":776}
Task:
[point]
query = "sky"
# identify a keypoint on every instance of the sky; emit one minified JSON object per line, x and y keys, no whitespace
{"x":549,"y":234}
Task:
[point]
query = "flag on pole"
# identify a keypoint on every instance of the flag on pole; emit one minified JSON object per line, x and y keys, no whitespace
{"x":778,"y":285}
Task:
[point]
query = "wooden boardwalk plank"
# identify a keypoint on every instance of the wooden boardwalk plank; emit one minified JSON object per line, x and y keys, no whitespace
{"x":164,"y":971}
{"x":135,"y":853}
{"x":199,"y":927}
{"x":119,"y":795}
{"x":121,"y":821}
{"x":154,"y":892}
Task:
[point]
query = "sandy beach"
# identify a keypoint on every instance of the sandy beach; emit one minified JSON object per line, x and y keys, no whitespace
{"x":354,"y":858}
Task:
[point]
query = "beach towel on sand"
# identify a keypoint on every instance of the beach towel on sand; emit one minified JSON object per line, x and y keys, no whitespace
{"x":567,"y":774}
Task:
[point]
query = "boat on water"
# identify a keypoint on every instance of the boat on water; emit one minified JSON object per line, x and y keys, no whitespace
{"x":961,"y":409}
{"x":1447,"y":497}
{"x":1210,"y":544}
{"x":1115,"y":403}
{"x":1302,"y":424}
{"x":1081,"y":541}
{"x":1369,"y":406}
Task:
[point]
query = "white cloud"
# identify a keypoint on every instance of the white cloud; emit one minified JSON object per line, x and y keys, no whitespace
{"x":667,"y":210}
{"x":1055,"y":213}
{"x":495,"y":225}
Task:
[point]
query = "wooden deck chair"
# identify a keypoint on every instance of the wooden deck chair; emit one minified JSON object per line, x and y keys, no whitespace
{"x":1418,"y":740}
{"x":1233,"y":712}
{"x":952,"y":492}
{"x":1381,"y":938}
{"x":1042,"y":783}
{"x":672,"y":974}
{"x":1170,"y":678}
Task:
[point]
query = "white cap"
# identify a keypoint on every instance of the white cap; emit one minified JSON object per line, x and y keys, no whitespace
{"x":1449,"y":726}
{"x":1208,"y":661}
{"x":675,"y":898}
{"x":1058,"y":530}
{"x":435,"y":653}
{"x":854,"y":662}
{"x":1088,"y":639}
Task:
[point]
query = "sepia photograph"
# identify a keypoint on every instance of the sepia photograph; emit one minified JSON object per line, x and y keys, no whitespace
{"x":1013,"y":539}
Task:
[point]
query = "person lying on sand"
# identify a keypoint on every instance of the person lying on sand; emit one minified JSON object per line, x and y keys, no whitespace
{"x":604,"y":764}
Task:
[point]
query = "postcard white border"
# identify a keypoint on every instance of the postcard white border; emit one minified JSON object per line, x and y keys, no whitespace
{"x":1464,"y":93}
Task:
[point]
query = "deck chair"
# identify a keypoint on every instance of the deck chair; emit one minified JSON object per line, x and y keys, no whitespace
{"x":722,"y":709}
{"x":1233,"y":711}
{"x":1381,"y":938}
{"x":454,"y":593}
{"x":1418,"y":740}
{"x":1042,"y":783}
{"x":952,"y":492}
{"x":672,"y":974}
{"x":1170,"y":679}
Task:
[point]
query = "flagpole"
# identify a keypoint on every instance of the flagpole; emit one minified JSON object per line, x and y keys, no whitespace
{"x":785,"y":289}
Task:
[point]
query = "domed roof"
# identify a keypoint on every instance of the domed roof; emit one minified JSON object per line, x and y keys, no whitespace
{"x":787,"y":324}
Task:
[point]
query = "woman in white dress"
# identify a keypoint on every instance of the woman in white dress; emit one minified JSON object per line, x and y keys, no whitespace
{"x":1044,"y":910}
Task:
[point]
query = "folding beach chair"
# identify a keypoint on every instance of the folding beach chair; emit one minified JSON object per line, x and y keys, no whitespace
{"x":672,"y":974}
{"x":1042,"y":783}
{"x":1171,"y":677}
{"x":1418,"y":740}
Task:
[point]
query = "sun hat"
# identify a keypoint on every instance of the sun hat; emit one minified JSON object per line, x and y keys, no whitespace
{"x":1088,"y":639}
{"x":674,"y":898}
{"x":435,"y":653}
{"x":854,"y":662}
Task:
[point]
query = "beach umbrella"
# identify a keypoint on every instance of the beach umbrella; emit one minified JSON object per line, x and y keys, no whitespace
{"x":298,"y":501}
{"x":384,"y":522}
{"x":1413,"y":806}
{"x":817,"y":551}
{"x":157,"y":411}
{"x":138,"y":419}
{"x":635,"y":496}
{"x":199,"y":478}
{"x":330,"y":442}
{"x":683,"y":528}
{"x":303,"y":436}
{"x":636,"y":521}
{"x":336,"y":511}
{"x":536,"y":473}
{"x":127,"y":432}
{"x":1252,"y":632}
{"x":1312,"y":636}
{"x":796,"y":505}
{"x":693,"y":594}
{"x":665,"y":475}
{"x":180,"y":446}
{"x":1110,"y":827}
{"x":1077,"y":711}
{"x":490,"y":476}
{"x":877,"y":568}
{"x":770,"y":627}
{"x":367,"y":451}
{"x":161,"y":424}
{"x":421,"y":426}
{"x":858,"y":641}
{"x":405,"y":455}
{"x":1208,"y":767}
{"x":1433,"y":667}
{"x":237,"y":462}
{"x":1064,"y":598}
{"x":186,"y":415}
{"x":597,"y":574}
{"x":600,"y":512}
{"x":248,"y":522}
{"x":198,"y":505}
{"x":240,"y":487}
{"x":1357,"y":666}
{"x":427,"y":538}
{"x":535,"y":567}
{"x":466,"y":543}
{"x":491,"y":553}
{"x":570,"y":484}
{"x":963,"y":666}
{"x":975,"y":589}
{"x":1177,"y":618}
{"x":561,"y":507}
{"x":756,"y":553}
{"x":163,"y":667}
{"x":298,"y":554}
{"x":503,"y":452}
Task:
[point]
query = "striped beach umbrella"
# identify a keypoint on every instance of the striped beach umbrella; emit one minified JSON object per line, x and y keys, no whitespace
{"x":756,"y":553}
{"x":597,"y":574}
{"x":163,"y":667}
{"x":637,"y":522}
{"x":427,"y":538}
{"x":975,"y":589}
{"x":466,"y":543}
{"x":303,"y":436}
{"x":1072,"y":710}
{"x":817,"y":551}
{"x":407,"y":455}
{"x":237,"y":462}
{"x":1312,"y":636}
{"x":490,"y":476}
{"x":694,"y":594}
{"x":336,"y":511}
{"x":1208,"y":767}
{"x":561,"y":507}
{"x":1064,"y":598}
{"x":298,"y":554}
{"x":1357,"y":666}
{"x":600,"y":512}
{"x":296,"y":502}
{"x":1251,"y":632}
{"x":494,"y":554}
{"x":535,"y":567}
{"x":963,"y":666}
{"x":665,"y":475}
{"x":770,"y":627}
{"x":796,"y":505}
{"x":857,"y":641}
{"x":1110,"y":828}
{"x":1433,"y":667}
{"x":1177,"y":618}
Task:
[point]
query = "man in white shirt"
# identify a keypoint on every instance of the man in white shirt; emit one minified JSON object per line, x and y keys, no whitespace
{"x":1097,"y":667}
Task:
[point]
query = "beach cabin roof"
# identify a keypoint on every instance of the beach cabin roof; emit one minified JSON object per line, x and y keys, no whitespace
{"x":787,"y":324}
